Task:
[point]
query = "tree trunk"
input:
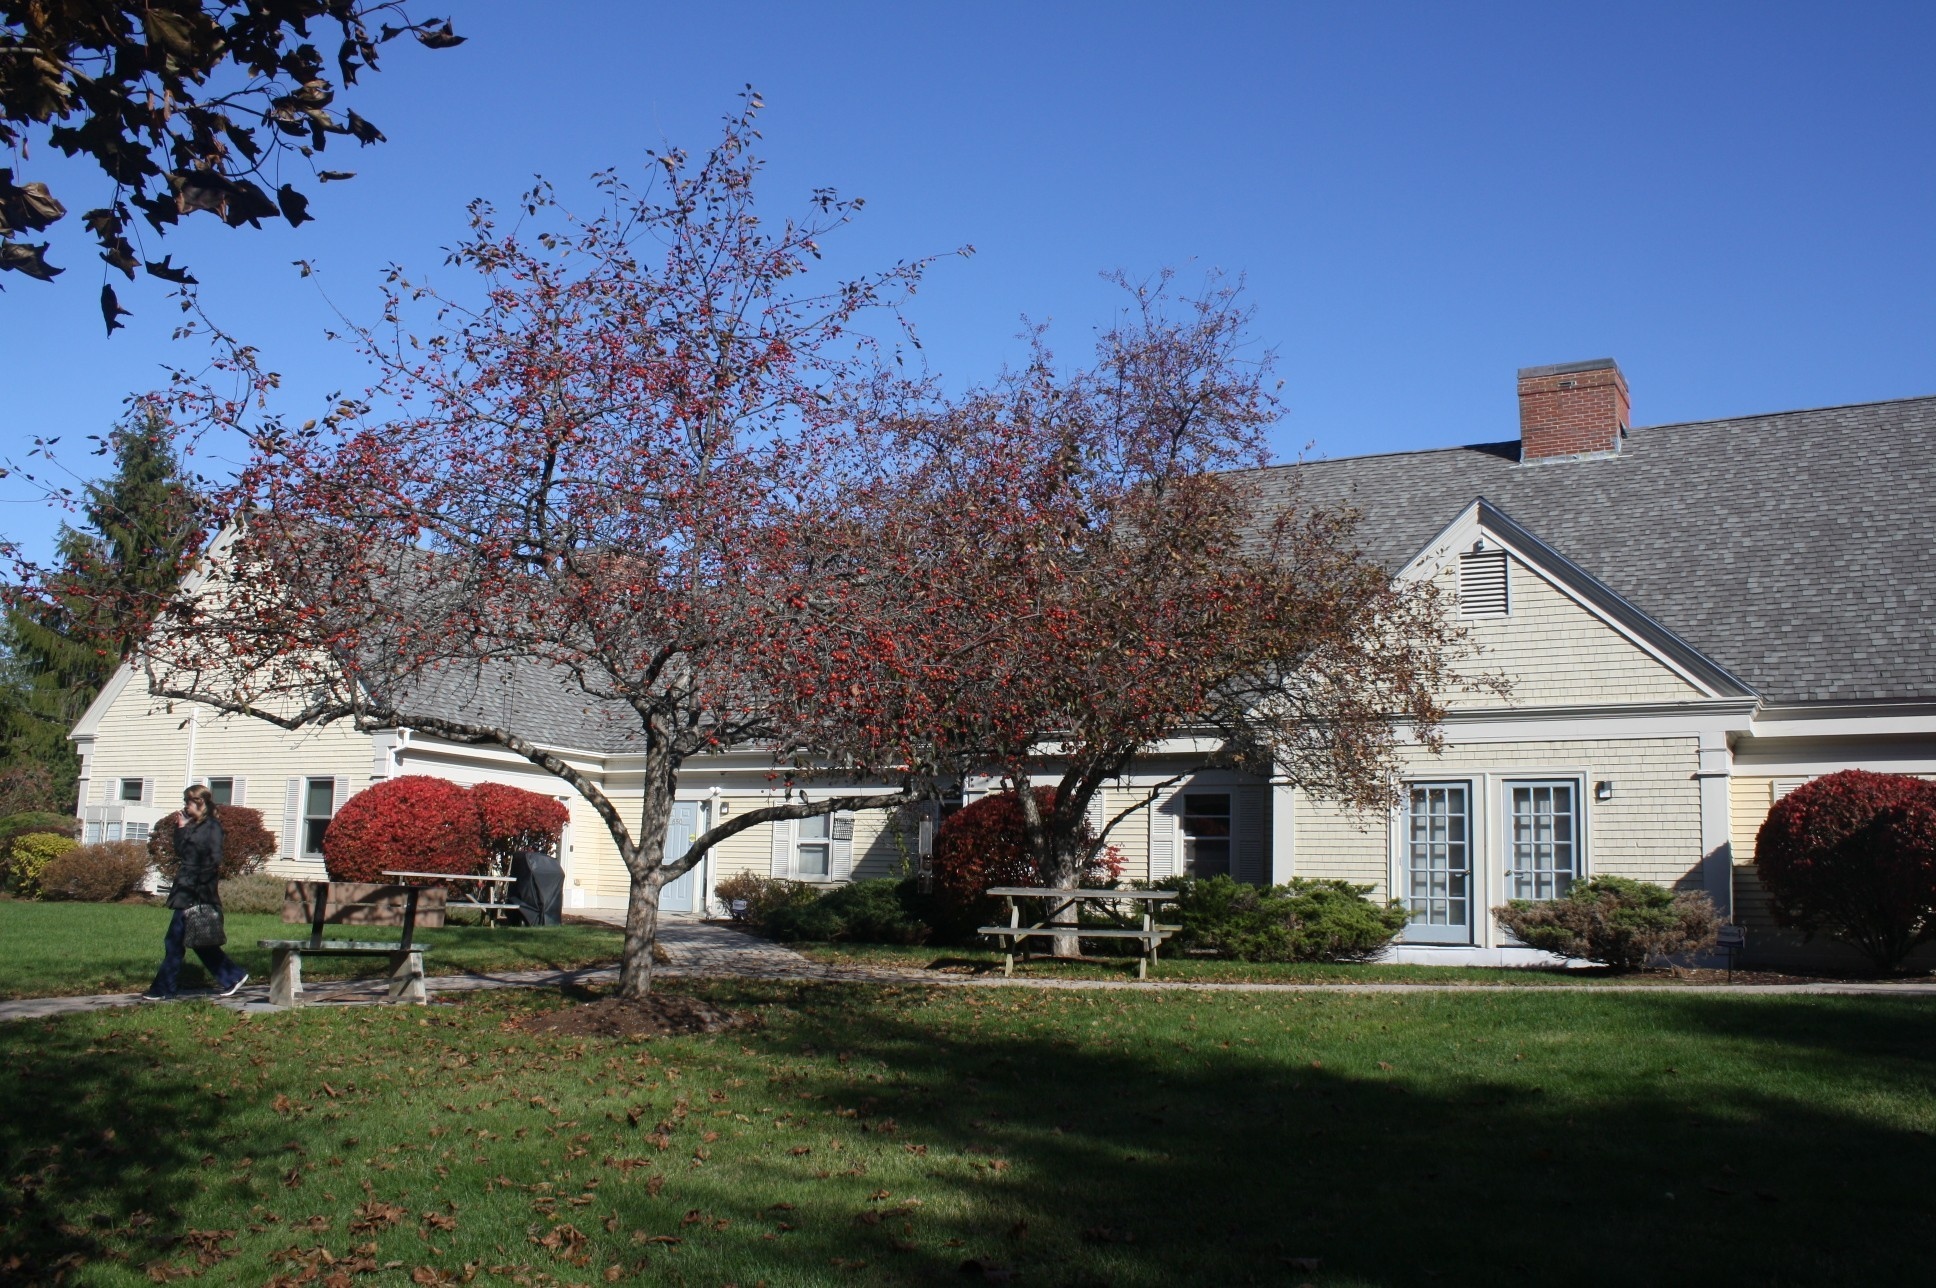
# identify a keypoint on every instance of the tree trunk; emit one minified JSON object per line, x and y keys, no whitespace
{"x":641,"y":930}
{"x":645,"y":864}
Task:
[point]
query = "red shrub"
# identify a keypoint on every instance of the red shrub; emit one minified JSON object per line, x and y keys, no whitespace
{"x":514,"y":819}
{"x":1853,"y":855}
{"x":246,"y":843}
{"x":410,"y":824}
{"x":981,"y":845}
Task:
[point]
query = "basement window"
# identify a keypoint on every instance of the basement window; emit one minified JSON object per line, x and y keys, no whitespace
{"x":1484,"y":590}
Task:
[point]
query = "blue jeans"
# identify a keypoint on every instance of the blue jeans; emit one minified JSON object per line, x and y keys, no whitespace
{"x":224,"y":971}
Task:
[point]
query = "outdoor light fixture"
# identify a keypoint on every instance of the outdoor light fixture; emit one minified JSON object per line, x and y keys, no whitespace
{"x":1603,"y":790}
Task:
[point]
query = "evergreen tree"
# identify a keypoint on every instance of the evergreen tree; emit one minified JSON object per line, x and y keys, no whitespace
{"x":140,"y":527}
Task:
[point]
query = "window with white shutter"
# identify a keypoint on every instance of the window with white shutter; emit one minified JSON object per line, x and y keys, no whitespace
{"x":1484,"y":586}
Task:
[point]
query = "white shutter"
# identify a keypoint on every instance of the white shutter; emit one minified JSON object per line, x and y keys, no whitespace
{"x":199,"y":780}
{"x":1098,"y":811}
{"x":292,"y":818}
{"x":341,"y":794}
{"x":147,"y":791}
{"x":782,"y":829}
{"x":840,"y":862}
{"x":237,"y":796}
{"x":1248,"y":822}
{"x":1162,"y":838}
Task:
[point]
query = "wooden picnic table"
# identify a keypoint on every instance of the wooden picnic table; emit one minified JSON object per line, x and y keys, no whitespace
{"x":471,"y":898}
{"x":1061,"y":900}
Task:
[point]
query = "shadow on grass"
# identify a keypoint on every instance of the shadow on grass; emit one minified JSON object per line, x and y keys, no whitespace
{"x":1157,"y":1161}
{"x":1084,"y":1140}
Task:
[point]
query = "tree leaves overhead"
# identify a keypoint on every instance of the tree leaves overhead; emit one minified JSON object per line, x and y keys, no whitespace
{"x":185,"y":105}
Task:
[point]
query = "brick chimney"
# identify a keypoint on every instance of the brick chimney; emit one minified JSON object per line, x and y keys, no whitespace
{"x":1571,"y":409}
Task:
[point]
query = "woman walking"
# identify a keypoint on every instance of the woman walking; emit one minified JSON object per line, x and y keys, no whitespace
{"x":198,"y":875}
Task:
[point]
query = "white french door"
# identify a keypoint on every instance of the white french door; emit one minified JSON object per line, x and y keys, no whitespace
{"x":1435,"y":863}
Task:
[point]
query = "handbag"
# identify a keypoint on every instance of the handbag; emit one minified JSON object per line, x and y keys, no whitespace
{"x":202,"y":927}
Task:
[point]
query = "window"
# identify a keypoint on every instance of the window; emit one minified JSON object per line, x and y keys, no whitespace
{"x":319,"y":803}
{"x":1543,"y":851}
{"x":1206,"y":833}
{"x":223,"y":790}
{"x":93,"y":834}
{"x":135,"y":831}
{"x":813,"y":846}
{"x":1438,"y":854}
{"x":1483,"y":585}
{"x":131,"y":790}
{"x":113,"y":832}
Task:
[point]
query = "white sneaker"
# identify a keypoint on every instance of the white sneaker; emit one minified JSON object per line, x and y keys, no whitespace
{"x":236,"y":987}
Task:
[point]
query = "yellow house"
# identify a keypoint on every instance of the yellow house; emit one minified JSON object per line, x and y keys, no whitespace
{"x":1694,"y":619}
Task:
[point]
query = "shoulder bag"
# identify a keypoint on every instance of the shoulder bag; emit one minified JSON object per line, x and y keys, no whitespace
{"x":202,"y":927}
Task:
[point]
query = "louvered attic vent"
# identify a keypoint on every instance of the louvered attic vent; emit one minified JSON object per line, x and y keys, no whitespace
{"x":1482,"y":584}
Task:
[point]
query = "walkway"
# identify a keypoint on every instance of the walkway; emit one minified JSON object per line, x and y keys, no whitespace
{"x":700,"y":950}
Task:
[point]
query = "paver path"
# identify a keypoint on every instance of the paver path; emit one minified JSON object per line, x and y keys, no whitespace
{"x":701,"y":950}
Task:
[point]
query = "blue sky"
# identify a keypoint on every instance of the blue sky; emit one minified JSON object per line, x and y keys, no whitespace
{"x":1735,"y":201}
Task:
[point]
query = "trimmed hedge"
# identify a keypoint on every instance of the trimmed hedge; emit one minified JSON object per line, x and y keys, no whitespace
{"x":101,"y":873}
{"x":1616,"y":921}
{"x":1300,"y":921}
{"x":28,"y":856}
{"x":414,"y":823}
{"x":1853,"y":855}
{"x":246,"y":843}
{"x":752,"y":899}
{"x":877,"y":911}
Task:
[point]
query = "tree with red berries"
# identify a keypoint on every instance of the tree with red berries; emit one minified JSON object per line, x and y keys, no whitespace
{"x":588,"y":482}
{"x":1086,"y":571}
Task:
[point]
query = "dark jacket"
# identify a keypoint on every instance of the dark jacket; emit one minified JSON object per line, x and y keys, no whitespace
{"x":198,"y":851}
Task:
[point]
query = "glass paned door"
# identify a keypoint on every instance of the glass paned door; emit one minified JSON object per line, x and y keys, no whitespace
{"x":1545,"y":852}
{"x":677,"y":896}
{"x":1437,"y":879}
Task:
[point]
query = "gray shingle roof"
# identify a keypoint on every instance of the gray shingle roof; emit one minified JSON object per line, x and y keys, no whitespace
{"x":1794,"y":549}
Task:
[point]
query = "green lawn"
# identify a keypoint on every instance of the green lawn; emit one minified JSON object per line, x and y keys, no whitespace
{"x":979,"y":960}
{"x":877,"y":1135}
{"x":67,"y":949}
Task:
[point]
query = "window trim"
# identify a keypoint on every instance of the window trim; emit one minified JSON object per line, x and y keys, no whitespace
{"x":121,"y":796}
{"x":305,"y":818}
{"x":795,"y":841}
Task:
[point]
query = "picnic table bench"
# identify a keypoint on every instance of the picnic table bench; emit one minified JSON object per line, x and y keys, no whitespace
{"x":1061,"y":900}
{"x":470,"y":894}
{"x":354,"y":903}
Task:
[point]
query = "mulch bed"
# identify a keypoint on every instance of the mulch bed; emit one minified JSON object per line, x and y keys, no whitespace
{"x":657,"y":1015}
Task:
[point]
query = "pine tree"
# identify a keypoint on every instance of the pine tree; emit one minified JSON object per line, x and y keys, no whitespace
{"x":140,"y":527}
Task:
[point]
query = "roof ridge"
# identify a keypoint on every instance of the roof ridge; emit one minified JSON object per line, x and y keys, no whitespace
{"x":1513,"y":442}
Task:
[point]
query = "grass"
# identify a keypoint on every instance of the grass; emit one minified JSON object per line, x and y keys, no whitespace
{"x":983,"y":960}
{"x":70,"y":949}
{"x":888,"y":1135}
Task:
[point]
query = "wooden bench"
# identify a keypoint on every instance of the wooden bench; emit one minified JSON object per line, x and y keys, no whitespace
{"x":354,"y":903}
{"x":1061,"y":900}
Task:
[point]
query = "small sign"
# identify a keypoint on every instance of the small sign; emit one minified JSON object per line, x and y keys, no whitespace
{"x":843,"y":829}
{"x":1731,"y":937}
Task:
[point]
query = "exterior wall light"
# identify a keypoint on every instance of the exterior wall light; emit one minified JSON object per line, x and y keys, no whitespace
{"x":1603,"y":790}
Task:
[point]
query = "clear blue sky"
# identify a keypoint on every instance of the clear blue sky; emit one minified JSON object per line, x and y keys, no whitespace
{"x":1735,"y":201}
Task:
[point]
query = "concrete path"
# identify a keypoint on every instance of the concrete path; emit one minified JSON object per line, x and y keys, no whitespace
{"x":700,"y":950}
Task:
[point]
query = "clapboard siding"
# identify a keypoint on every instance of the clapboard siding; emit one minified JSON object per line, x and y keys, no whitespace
{"x":1650,"y":830}
{"x":1556,"y":653}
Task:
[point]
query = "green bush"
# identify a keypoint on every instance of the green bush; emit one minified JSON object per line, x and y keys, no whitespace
{"x":256,"y":892}
{"x":1300,"y":921}
{"x":28,"y":856}
{"x":100,"y":873}
{"x":14,"y":826}
{"x":751,"y":899}
{"x":868,"y":912}
{"x":1616,"y":921}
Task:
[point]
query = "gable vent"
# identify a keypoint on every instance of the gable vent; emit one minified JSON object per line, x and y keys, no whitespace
{"x":1482,"y":584}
